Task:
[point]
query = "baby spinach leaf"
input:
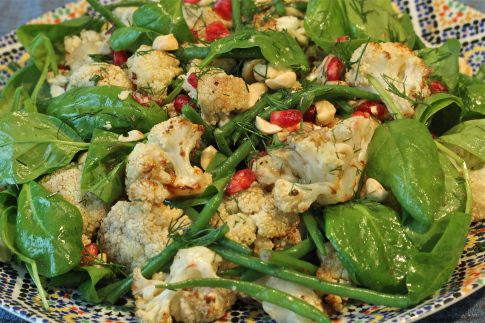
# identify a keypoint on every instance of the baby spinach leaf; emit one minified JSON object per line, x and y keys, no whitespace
{"x":32,"y":144}
{"x":402,"y":156}
{"x":435,"y":103}
{"x":428,"y":271}
{"x":39,"y":49}
{"x":164,"y":17}
{"x":444,"y":60}
{"x":90,"y":107}
{"x":112,"y":187}
{"x":96,"y":275}
{"x":467,"y":135}
{"x":277,"y":47}
{"x":57,"y":32}
{"x":132,"y":38}
{"x":371,"y":244}
{"x":424,"y":236}
{"x":48,"y":230}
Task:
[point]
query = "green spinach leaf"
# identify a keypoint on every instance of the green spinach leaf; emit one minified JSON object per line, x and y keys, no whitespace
{"x":402,"y":156}
{"x":436,"y":103}
{"x":48,"y":230}
{"x":32,"y":144}
{"x":132,"y":38}
{"x":371,"y":244}
{"x":91,"y":107}
{"x":467,"y":135}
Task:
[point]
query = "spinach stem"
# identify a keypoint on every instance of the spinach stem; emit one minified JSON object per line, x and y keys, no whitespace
{"x":41,"y":80}
{"x":103,"y":11}
{"x":385,"y":96}
{"x":464,"y":170}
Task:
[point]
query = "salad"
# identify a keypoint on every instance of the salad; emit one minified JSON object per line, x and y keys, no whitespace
{"x":299,"y":153}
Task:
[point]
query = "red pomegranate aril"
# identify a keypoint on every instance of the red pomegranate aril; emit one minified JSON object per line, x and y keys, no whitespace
{"x":344,"y":38}
{"x":216,"y":30}
{"x":89,"y":250}
{"x":241,"y":181}
{"x":180,"y":101}
{"x":119,"y":57}
{"x":64,"y":67}
{"x":141,"y":98}
{"x":223,"y":8}
{"x":193,"y":80}
{"x":191,"y":1}
{"x":335,"y":69}
{"x":310,"y":114}
{"x":361,"y":114}
{"x":287,"y":118}
{"x":437,"y":87}
{"x":375,"y":109}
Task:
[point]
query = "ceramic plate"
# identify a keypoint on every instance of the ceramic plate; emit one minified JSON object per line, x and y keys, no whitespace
{"x":435,"y":20}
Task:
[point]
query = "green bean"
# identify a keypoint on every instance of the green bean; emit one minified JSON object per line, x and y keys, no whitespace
{"x":280,"y":8}
{"x":279,"y":259}
{"x":300,"y":5}
{"x":314,"y":232}
{"x":188,"y":53}
{"x":114,"y":291}
{"x":236,"y":271}
{"x":187,"y":202}
{"x":194,"y":117}
{"x":236,"y":15}
{"x":313,"y":282}
{"x":238,"y":156}
{"x":261,"y":292}
{"x":216,"y":160}
{"x":221,"y":141}
{"x":345,"y":107}
{"x":296,"y":251}
{"x":385,"y":96}
{"x":178,"y":83}
{"x":126,"y":3}
{"x":103,"y":11}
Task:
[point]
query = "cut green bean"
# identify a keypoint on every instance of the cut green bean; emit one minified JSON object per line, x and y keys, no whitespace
{"x":201,"y":52}
{"x":236,"y":271}
{"x":236,"y":15}
{"x":279,"y":259}
{"x":216,"y":160}
{"x":127,"y":3}
{"x":314,"y":232}
{"x":222,"y":143}
{"x":346,"y":108}
{"x":313,"y":282}
{"x":178,"y":87}
{"x":194,"y":117}
{"x":258,"y":291}
{"x":106,"y":13}
{"x":114,"y":291}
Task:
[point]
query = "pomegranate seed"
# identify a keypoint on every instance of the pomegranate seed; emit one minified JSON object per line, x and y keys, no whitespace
{"x":64,"y":67}
{"x":375,"y":109}
{"x":216,"y":30}
{"x":344,"y":38}
{"x":437,"y":87}
{"x":191,"y":1}
{"x":310,"y":114}
{"x":335,"y":69}
{"x":193,"y":80}
{"x":180,"y":101}
{"x":90,"y":250}
{"x":142,"y":99}
{"x":433,"y":134}
{"x":241,"y":181}
{"x":223,"y":8}
{"x":287,"y":118}
{"x":361,"y":114}
{"x":119,"y":57}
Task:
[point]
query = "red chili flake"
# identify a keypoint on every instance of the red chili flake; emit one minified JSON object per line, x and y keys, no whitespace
{"x":241,"y":181}
{"x":64,"y":67}
{"x":335,"y":69}
{"x":438,"y":87}
{"x":223,"y":8}
{"x":193,"y":80}
{"x":119,"y":57}
{"x":310,"y":114}
{"x":344,"y":38}
{"x":216,"y":30}
{"x":180,"y":101}
{"x":287,"y":118}
{"x":375,"y":109}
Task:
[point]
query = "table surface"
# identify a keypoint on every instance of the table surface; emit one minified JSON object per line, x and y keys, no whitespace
{"x":15,"y":13}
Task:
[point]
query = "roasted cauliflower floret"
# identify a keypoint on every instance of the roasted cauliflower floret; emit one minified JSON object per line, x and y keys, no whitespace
{"x":326,"y":165}
{"x":67,"y":183}
{"x":152,"y":71}
{"x":218,"y":94}
{"x":89,"y":42}
{"x":332,"y":270}
{"x":252,"y":214}
{"x":477,"y":184}
{"x":160,"y":168}
{"x":398,"y":64}
{"x":133,"y":232}
{"x":99,"y":74}
{"x":198,"y":305}
{"x":282,"y":315}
